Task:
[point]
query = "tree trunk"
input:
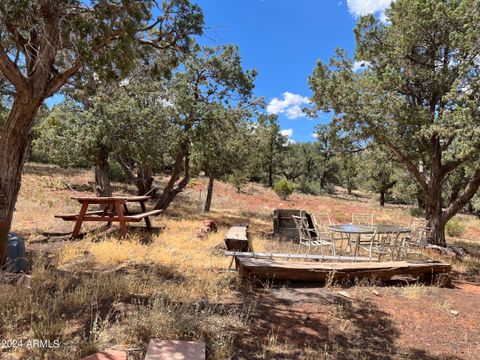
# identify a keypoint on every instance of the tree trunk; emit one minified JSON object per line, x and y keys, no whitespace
{"x":208,"y":199}
{"x":127,"y":165}
{"x":437,"y":224}
{"x":435,"y":212}
{"x":270,"y":174}
{"x":171,"y":190}
{"x":144,"y":179}
{"x":382,"y":198}
{"x":14,"y":142}
{"x":103,"y":186}
{"x":420,"y":200}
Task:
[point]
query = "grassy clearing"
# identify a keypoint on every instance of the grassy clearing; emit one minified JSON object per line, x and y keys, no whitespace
{"x":112,"y":293}
{"x":105,"y":292}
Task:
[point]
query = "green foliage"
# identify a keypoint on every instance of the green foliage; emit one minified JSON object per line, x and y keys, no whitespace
{"x":417,"y":212}
{"x":316,"y":167}
{"x":115,"y":173}
{"x":475,"y":203}
{"x":58,"y":137}
{"x":454,"y":228}
{"x":312,"y":187}
{"x":269,"y":146}
{"x":419,"y":97}
{"x":349,"y":172}
{"x":284,"y":188}
{"x":238,"y":179}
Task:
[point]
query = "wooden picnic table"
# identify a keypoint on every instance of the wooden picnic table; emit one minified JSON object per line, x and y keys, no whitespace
{"x":115,"y":210}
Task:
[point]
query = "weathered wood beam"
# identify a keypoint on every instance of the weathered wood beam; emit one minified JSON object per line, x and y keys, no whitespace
{"x":296,"y":256}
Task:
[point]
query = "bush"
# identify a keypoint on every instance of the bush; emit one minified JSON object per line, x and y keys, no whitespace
{"x":238,"y":179}
{"x":116,"y":173}
{"x":454,"y":228}
{"x":284,"y":188}
{"x":417,"y":212}
{"x":311,"y":187}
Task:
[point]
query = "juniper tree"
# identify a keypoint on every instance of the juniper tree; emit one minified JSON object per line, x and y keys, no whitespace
{"x":44,"y":43}
{"x":419,"y":96}
{"x":210,"y":79}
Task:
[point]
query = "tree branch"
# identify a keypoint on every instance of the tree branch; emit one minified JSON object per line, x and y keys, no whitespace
{"x":408,"y":163}
{"x":12,"y":72}
{"x":452,"y":165}
{"x":464,"y":197}
{"x":60,"y":79}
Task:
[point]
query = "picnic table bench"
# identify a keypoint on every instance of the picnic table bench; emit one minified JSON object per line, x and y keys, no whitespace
{"x":115,"y":210}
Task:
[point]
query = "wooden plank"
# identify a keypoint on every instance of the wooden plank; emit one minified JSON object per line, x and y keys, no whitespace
{"x":121,"y":218}
{"x":73,"y":216}
{"x":174,"y":350}
{"x":144,"y":210}
{"x":105,"y":218}
{"x":143,"y":215}
{"x":102,"y":200}
{"x":113,"y":218}
{"x":311,"y":271}
{"x":296,"y":256}
{"x":78,"y":224}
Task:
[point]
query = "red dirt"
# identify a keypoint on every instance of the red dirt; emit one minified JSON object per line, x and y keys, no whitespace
{"x":388,"y":326}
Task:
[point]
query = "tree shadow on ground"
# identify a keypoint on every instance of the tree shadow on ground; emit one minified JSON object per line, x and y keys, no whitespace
{"x":301,"y":320}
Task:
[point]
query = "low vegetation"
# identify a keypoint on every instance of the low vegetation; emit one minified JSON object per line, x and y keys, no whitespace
{"x":106,"y":292}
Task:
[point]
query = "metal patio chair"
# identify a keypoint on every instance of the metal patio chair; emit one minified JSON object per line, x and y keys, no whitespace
{"x":362,"y":219}
{"x":312,"y":236}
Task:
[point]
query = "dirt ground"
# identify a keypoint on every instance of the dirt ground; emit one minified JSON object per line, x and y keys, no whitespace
{"x":274,"y":321}
{"x":412,"y":322}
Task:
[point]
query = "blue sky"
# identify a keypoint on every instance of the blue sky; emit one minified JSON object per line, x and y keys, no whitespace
{"x":283,"y":39}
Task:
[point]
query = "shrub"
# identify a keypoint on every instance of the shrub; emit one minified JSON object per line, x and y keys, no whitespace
{"x":454,"y":228}
{"x":238,"y":179}
{"x":116,"y":173}
{"x":311,"y":187}
{"x":284,"y":188}
{"x":417,"y":212}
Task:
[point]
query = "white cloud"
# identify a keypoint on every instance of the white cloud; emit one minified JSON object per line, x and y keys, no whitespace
{"x":360,"y":65}
{"x":291,"y":105}
{"x":287,"y":132}
{"x":364,"y":7}
{"x":315,"y":135}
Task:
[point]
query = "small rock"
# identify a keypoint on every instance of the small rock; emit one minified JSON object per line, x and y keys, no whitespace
{"x":375,"y":292}
{"x":454,"y":312}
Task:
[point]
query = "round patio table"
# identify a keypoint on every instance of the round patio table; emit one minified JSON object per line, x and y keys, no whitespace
{"x":359,"y":230}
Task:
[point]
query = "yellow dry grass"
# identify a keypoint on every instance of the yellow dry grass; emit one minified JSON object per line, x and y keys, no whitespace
{"x":104,"y":291}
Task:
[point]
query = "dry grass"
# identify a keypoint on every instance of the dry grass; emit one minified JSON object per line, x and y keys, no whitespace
{"x":105,"y":292}
{"x":120,"y":293}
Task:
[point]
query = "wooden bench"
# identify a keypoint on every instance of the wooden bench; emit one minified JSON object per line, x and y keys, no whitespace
{"x":115,"y":210}
{"x":174,"y":350}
